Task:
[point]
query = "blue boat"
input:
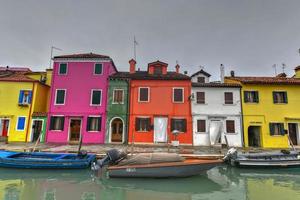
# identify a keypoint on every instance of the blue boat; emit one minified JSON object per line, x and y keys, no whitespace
{"x":40,"y":160}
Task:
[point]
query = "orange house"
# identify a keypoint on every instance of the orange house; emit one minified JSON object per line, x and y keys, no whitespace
{"x":159,"y":105}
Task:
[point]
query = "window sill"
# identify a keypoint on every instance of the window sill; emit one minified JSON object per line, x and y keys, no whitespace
{"x":201,"y":104}
{"x":24,"y":104}
{"x":142,"y":131}
{"x":233,"y":104}
{"x":57,"y":130}
{"x":178,"y":102}
{"x":116,"y":103}
{"x":202,"y":133}
{"x":93,"y":131}
{"x":280,"y":103}
{"x":252,"y":103}
{"x":231,"y":133}
{"x":277,"y":135}
{"x":20,"y":130}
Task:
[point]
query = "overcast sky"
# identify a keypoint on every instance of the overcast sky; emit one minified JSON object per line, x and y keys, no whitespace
{"x":246,"y":36}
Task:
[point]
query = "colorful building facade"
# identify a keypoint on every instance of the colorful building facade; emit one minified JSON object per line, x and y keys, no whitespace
{"x":216,"y":111}
{"x":22,"y":94}
{"x":117,"y":109}
{"x":271,"y":110}
{"x":78,"y":99}
{"x":159,"y":105}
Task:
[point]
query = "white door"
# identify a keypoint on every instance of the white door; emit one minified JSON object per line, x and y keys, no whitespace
{"x":160,"y":129}
{"x":215,"y":130}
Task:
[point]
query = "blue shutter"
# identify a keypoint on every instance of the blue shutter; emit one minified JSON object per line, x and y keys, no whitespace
{"x":29,"y":97}
{"x":21,"y":123}
{"x":21,"y":95}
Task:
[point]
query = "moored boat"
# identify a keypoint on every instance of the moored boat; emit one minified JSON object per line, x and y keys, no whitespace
{"x":152,"y":165}
{"x":41,"y":160}
{"x":275,"y":159}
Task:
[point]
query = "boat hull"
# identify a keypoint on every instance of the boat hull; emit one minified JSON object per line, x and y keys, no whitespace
{"x":38,"y":160}
{"x":161,"y":171}
{"x":267,"y":164}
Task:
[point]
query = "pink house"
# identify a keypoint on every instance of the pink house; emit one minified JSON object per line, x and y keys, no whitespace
{"x":78,"y":98}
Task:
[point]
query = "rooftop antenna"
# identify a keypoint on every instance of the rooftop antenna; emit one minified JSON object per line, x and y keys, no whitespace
{"x":201,"y":67}
{"x":299,"y":51}
{"x":283,"y":67}
{"x":51,"y":56}
{"x":135,"y":43}
{"x":275,"y":69}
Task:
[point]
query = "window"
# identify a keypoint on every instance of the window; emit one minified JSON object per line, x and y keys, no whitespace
{"x":251,"y":97}
{"x":143,"y":94}
{"x":118,"y":96}
{"x":96,"y":97}
{"x":280,"y":97}
{"x":201,"y":126}
{"x":98,"y":68}
{"x":201,"y":79}
{"x":200,"y":97}
{"x":62,"y":69}
{"x":93,"y":124}
{"x":178,"y":95}
{"x":21,"y":123}
{"x":158,"y":70}
{"x":230,"y":127}
{"x":277,"y":129}
{"x":25,"y":97}
{"x":142,"y":124}
{"x":178,"y":124}
{"x":57,"y":123}
{"x":60,"y":97}
{"x":228,"y":97}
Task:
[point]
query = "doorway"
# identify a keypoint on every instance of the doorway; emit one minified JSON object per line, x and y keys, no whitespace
{"x":215,"y":131}
{"x":160,"y":129}
{"x":37,"y":127}
{"x":293,"y":132}
{"x":254,"y":138}
{"x":117,"y":129}
{"x":75,"y":129}
{"x":4,"y":126}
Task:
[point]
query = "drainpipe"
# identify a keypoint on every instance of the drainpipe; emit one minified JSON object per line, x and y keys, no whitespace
{"x":242,"y":119}
{"x":30,"y":109}
{"x":128,"y":109}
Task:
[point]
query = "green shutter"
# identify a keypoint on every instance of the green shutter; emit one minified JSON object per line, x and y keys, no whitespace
{"x":184,"y":125}
{"x":256,"y":97}
{"x":271,"y":128}
{"x":246,"y":99}
{"x":285,"y":97}
{"x":274,"y":98}
{"x":137,"y":124}
{"x":282,"y":132}
{"x":51,"y":123}
{"x":98,"y":69}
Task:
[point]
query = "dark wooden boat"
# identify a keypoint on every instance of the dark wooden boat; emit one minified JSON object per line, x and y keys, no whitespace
{"x":39,"y":160}
{"x":153,"y":165}
{"x":275,"y":159}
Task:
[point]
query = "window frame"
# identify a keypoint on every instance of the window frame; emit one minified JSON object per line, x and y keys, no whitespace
{"x":139,"y":95}
{"x":250,"y":91}
{"x":30,"y":99}
{"x":113,"y":100}
{"x":197,"y":97}
{"x":58,"y":104}
{"x":277,"y":135}
{"x":94,"y":72}
{"x":17,"y":124}
{"x":100,"y":124}
{"x":205,"y":128}
{"x":179,"y":118}
{"x":66,"y":69}
{"x":225,"y":98}
{"x":142,"y":131}
{"x":91,"y":97}
{"x":284,"y":92}
{"x":57,"y":130}
{"x":202,"y":77}
{"x":173,"y":95}
{"x":234,"y":129}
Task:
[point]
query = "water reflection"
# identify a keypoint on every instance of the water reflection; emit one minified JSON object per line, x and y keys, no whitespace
{"x":219,"y":183}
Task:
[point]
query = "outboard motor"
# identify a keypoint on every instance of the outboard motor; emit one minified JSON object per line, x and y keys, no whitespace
{"x":231,"y":154}
{"x":113,"y":156}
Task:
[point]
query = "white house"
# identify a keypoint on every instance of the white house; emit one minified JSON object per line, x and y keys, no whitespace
{"x":216,"y":110}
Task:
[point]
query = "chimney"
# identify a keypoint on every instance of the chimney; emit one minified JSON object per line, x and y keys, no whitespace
{"x":132,"y":63}
{"x":232,"y":73}
{"x":222,"y":73}
{"x":177,"y":67}
{"x":297,"y":72}
{"x":185,"y":72}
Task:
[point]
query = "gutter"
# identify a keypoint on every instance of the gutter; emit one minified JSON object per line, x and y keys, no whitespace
{"x":30,"y":109}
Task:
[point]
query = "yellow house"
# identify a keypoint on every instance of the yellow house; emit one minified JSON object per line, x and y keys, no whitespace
{"x":271,"y":110}
{"x":22,"y":94}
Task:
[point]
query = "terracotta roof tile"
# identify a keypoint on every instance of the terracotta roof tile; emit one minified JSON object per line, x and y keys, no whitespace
{"x":144,"y":75}
{"x":14,"y":75}
{"x":201,"y":72}
{"x":83,"y":55}
{"x":39,"y":114}
{"x":266,"y":80}
{"x":213,"y":84}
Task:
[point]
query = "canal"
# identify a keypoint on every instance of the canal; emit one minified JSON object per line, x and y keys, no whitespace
{"x":219,"y":183}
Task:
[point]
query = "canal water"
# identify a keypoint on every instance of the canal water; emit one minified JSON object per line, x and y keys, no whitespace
{"x":219,"y":183}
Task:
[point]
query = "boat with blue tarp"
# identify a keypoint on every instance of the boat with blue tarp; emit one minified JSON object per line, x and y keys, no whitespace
{"x":42,"y":160}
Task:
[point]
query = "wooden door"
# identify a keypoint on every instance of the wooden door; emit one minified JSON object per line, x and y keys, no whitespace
{"x":37,"y":129}
{"x":293,"y":133}
{"x":5,"y":125}
{"x":117,"y":130}
{"x":75,"y":129}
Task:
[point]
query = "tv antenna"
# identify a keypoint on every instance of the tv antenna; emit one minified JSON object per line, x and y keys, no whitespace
{"x":135,"y":43}
{"x":283,"y":67}
{"x":275,"y":69}
{"x":51,"y":55}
